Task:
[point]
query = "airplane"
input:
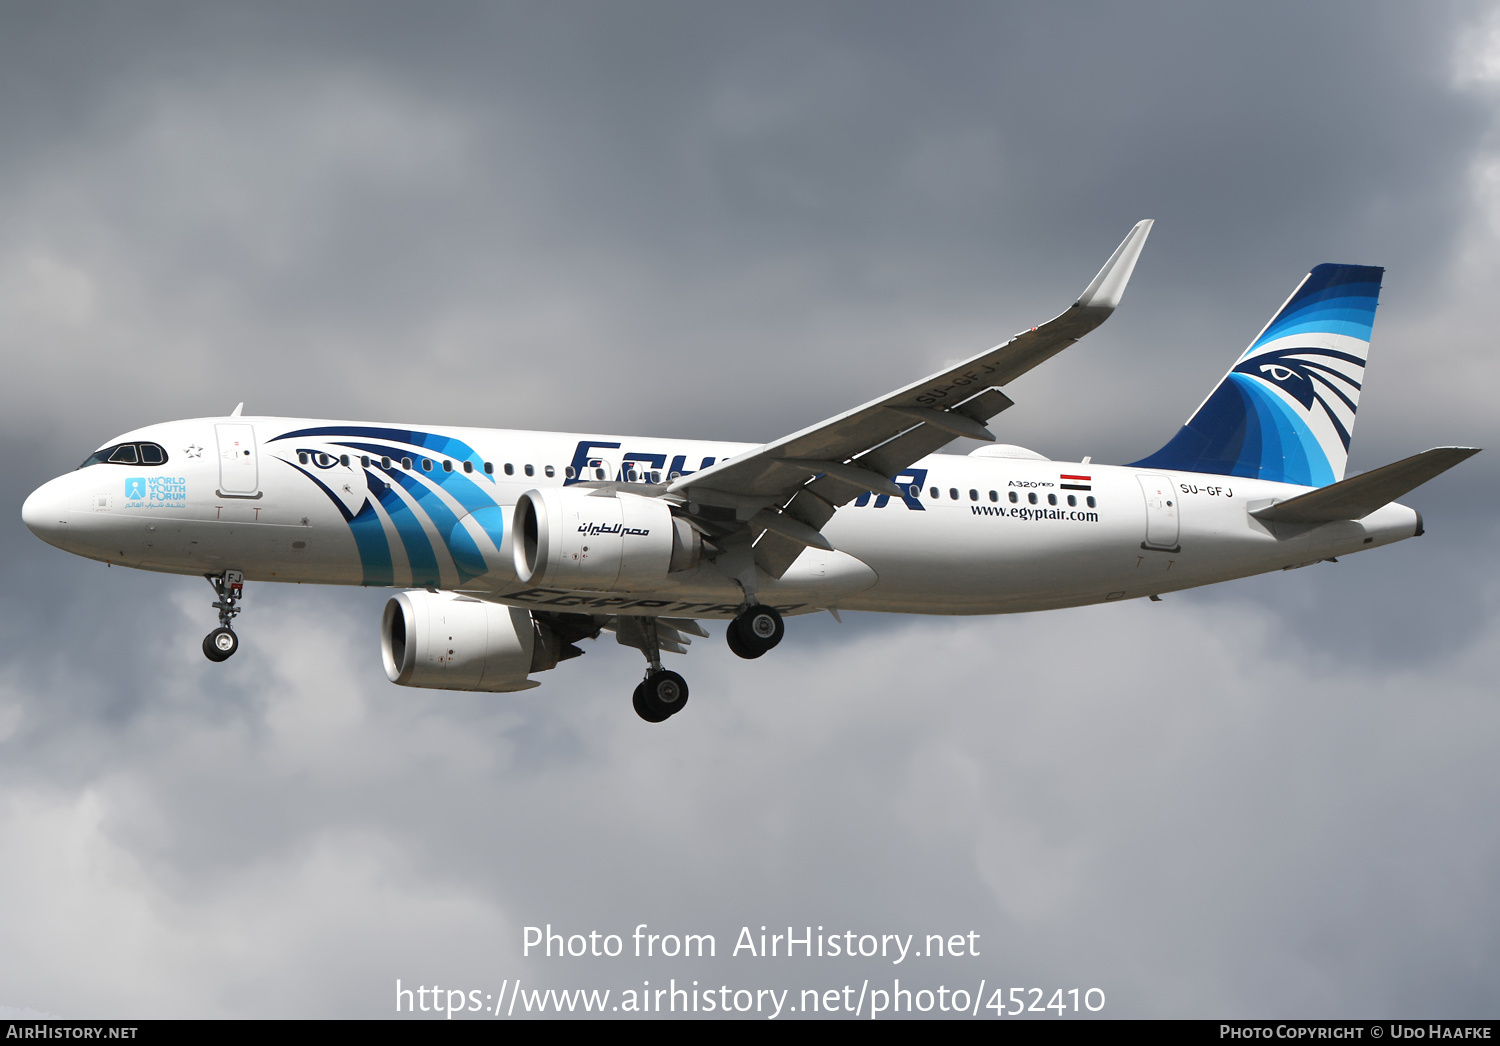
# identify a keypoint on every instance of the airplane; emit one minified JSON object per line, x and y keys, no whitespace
{"x":512,"y":547}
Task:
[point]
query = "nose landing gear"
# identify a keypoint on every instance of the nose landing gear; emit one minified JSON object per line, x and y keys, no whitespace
{"x":221,"y":643}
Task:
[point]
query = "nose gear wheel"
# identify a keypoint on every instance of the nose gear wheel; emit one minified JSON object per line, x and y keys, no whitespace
{"x":220,"y":644}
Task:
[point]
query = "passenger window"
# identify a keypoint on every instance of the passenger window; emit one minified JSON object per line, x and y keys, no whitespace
{"x":1072,"y":501}
{"x":426,"y":464}
{"x":1013,"y":497}
{"x":550,"y":471}
{"x":344,"y":460}
{"x":1031,"y":498}
{"x":447,"y":466}
{"x":385,"y":463}
{"x":489,"y":468}
{"x":124,"y":455}
{"x":1052,"y":499}
{"x":468,"y":466}
{"x":953,"y":493}
{"x":994,"y":496}
{"x":364,"y":461}
{"x":973,"y":495}
{"x":302,"y":456}
{"x":598,"y":473}
{"x":406,"y":463}
{"x":934,"y":493}
{"x":1090,"y":500}
{"x":530,"y":471}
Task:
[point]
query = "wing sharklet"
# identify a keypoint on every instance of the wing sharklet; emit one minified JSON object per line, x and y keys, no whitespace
{"x":1108,"y":287}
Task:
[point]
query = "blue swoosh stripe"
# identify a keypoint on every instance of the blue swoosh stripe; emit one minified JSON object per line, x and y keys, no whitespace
{"x":466,"y":554}
{"x":419,"y":551}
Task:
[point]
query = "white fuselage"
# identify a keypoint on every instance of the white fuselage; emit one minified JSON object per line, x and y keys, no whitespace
{"x":340,"y":503}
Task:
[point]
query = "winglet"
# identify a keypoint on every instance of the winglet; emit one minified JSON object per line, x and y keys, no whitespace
{"x":1109,"y":286}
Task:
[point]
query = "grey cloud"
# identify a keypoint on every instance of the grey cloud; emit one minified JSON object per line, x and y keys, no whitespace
{"x":1267,"y":798}
{"x":1021,"y":777}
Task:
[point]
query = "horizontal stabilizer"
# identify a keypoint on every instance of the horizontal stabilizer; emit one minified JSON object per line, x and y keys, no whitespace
{"x":1358,"y":496}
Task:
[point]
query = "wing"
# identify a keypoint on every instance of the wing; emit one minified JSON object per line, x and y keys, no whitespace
{"x":780,"y":495}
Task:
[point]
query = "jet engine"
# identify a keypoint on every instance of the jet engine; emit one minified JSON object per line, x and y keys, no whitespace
{"x":574,"y":538}
{"x":446,"y":641}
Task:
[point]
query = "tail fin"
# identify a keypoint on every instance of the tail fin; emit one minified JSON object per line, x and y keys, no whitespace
{"x":1286,"y":410}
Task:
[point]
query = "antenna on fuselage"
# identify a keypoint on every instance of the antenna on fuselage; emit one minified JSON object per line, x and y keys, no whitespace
{"x":236,"y":412}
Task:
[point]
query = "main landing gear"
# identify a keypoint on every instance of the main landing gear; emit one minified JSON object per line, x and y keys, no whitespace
{"x":661,"y":694}
{"x":757,"y":629}
{"x":221,"y":643}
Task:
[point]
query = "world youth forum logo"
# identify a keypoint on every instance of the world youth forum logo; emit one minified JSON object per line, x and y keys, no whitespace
{"x":135,"y":487}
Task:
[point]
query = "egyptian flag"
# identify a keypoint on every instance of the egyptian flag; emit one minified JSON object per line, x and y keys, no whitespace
{"x":1076,"y":483}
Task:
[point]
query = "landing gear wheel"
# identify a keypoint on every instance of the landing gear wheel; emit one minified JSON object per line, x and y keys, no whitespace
{"x":220,"y":644}
{"x":756,"y":630}
{"x":732,"y":637}
{"x":660,"y":695}
{"x":643,"y":710}
{"x":229,"y":587}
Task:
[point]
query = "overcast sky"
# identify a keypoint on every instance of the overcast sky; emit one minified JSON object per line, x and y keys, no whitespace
{"x":1271,"y":798}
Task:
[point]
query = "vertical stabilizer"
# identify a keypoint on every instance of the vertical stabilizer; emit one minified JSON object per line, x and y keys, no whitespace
{"x":1285,"y":411}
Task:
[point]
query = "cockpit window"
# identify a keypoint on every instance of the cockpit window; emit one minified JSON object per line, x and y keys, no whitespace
{"x":128,"y":454}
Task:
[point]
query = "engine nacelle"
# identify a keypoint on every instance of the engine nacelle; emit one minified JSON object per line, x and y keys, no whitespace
{"x":451,"y":642}
{"x":571,"y":538}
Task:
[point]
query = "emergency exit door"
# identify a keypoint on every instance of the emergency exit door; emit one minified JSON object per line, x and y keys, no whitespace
{"x":1162,"y":523}
{"x":239,"y":468}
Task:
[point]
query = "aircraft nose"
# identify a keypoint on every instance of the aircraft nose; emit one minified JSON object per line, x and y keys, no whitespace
{"x":45,"y":512}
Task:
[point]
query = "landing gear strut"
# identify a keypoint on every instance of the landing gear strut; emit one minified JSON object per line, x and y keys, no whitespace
{"x":757,"y":629}
{"x":221,"y":643}
{"x":661,"y":694}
